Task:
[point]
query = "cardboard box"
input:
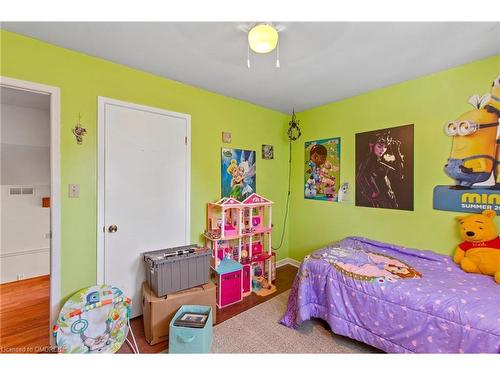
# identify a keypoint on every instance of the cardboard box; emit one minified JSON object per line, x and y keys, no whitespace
{"x":159,"y":311}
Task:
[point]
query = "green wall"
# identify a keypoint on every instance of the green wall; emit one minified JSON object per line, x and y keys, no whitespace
{"x":82,"y":79}
{"x":426,"y":102}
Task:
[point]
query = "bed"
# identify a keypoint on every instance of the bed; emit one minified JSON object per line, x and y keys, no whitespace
{"x":397,"y":299}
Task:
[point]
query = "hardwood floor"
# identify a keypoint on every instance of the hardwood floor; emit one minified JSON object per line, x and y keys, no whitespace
{"x":24,"y":314}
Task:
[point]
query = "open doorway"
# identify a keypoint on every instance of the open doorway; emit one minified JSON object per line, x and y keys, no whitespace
{"x":29,"y":220}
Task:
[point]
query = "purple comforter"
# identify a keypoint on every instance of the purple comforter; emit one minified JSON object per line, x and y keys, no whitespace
{"x":397,"y":299}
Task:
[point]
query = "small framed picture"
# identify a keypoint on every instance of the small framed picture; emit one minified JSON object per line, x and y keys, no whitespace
{"x":267,"y":152}
{"x":226,"y":137}
{"x":190,"y":319}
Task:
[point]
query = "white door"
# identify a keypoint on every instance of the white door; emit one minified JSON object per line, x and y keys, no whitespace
{"x":144,"y":197}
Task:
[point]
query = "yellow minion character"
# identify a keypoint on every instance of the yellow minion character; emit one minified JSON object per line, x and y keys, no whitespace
{"x":473,"y":150}
{"x":493,"y":106}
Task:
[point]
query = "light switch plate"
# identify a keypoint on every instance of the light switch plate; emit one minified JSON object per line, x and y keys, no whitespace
{"x":74,"y":190}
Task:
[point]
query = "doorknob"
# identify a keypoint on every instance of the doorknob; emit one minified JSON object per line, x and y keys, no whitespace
{"x":112,"y":228}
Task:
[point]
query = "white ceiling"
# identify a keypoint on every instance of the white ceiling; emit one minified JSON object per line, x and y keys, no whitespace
{"x":321,"y":62}
{"x":22,"y":98}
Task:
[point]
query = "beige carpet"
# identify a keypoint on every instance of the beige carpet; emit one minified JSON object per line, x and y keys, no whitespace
{"x":257,"y":330}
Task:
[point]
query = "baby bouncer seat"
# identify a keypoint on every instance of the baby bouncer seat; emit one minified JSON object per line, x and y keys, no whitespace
{"x":94,"y":320}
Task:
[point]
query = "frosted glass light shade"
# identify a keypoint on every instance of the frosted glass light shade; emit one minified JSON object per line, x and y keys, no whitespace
{"x":262,"y":38}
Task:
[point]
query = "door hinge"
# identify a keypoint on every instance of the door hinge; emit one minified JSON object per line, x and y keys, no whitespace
{"x":186,"y":140}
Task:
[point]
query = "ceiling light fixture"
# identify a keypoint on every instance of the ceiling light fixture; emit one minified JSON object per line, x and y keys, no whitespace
{"x":262,"y":38}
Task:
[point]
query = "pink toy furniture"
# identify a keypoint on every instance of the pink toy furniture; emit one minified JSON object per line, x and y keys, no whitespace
{"x":229,"y":282}
{"x":220,"y":253}
{"x":225,"y":252}
{"x":247,"y":279}
{"x":257,"y":248}
{"x":229,"y":230}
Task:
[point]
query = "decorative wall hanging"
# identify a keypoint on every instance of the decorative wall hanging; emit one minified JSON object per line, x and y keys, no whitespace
{"x":79,"y":131}
{"x":322,"y":169}
{"x":293,"y":132}
{"x":343,"y":192}
{"x":474,"y":162}
{"x":267,"y":152}
{"x":384,"y":168}
{"x":237,"y":173}
{"x":226,"y":137}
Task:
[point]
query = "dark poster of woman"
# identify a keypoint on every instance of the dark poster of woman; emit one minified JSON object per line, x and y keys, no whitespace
{"x":384,"y":168}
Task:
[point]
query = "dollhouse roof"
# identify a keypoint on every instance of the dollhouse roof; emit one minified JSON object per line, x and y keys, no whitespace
{"x":227,"y":202}
{"x":256,"y":199}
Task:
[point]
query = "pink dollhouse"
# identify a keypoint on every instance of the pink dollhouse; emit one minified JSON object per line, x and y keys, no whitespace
{"x":241,"y":231}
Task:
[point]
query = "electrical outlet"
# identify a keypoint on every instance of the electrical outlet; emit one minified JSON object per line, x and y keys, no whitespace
{"x":20,"y":276}
{"x":74,"y":190}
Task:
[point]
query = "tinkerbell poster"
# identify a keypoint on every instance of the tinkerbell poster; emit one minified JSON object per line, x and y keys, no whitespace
{"x":237,"y":173}
{"x":322,"y":169}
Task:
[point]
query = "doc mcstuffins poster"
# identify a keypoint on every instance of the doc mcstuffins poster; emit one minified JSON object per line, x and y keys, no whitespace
{"x":237,"y":173}
{"x":322,"y":169}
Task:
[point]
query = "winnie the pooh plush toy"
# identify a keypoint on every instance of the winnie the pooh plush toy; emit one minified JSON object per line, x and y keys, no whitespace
{"x":480,"y":251}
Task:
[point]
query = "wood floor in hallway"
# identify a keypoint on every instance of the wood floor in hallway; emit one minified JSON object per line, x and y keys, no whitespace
{"x":24,"y":315}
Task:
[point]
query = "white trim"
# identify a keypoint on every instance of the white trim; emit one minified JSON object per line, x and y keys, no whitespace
{"x":55,"y":188}
{"x":287,"y":261}
{"x":24,"y":252}
{"x":101,"y":103}
{"x":100,"y":191}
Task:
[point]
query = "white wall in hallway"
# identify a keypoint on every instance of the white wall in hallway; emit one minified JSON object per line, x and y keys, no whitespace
{"x":25,"y":162}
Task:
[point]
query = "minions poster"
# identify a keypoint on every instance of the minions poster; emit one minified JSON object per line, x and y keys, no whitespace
{"x":384,"y":168}
{"x":474,"y":161}
{"x":237,"y":173}
{"x":322,"y":169}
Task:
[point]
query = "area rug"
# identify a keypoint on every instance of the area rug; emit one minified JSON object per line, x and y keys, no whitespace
{"x":257,"y":330}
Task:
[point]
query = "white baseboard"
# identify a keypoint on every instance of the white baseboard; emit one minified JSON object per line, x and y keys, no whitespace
{"x":289,"y":261}
{"x":24,"y":265}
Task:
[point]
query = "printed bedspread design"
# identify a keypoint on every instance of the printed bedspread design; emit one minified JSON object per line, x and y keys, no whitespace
{"x":397,"y":299}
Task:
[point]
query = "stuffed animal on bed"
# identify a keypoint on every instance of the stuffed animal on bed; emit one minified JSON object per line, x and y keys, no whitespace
{"x":480,"y":251}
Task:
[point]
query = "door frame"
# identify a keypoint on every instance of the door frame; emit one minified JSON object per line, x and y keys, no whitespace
{"x":101,"y":171}
{"x":55,"y":185}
